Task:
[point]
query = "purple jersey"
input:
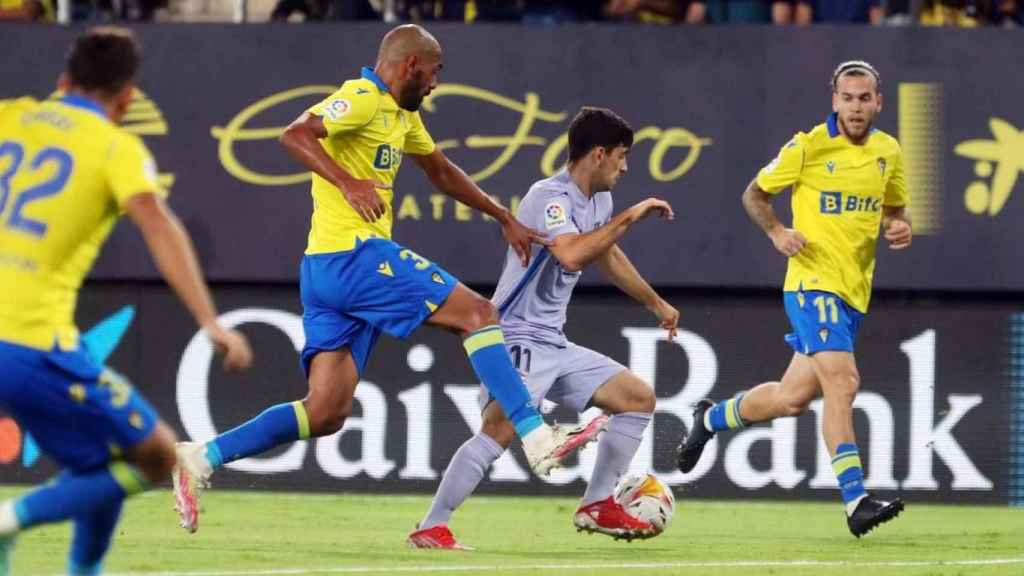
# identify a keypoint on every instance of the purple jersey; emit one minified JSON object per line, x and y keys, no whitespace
{"x":532,"y":301}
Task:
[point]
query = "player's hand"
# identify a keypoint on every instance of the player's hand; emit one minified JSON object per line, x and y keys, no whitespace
{"x":654,"y":206}
{"x":788,"y":241}
{"x":233,"y":345}
{"x":363,"y":197}
{"x":668,"y":317}
{"x":521,"y":238}
{"x":899,"y":234}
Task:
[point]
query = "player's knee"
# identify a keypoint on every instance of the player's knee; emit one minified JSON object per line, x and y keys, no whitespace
{"x":482,"y":314}
{"x":644,"y":400}
{"x":332,"y":424}
{"x":842,"y":384}
{"x":324,"y":419}
{"x":162,"y":465}
{"x":625,"y":393}
{"x":155,"y":456}
{"x":329,"y":422}
{"x":156,"y":459}
{"x":791,"y":406}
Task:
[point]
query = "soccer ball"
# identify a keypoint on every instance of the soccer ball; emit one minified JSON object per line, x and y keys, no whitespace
{"x":647,"y":498}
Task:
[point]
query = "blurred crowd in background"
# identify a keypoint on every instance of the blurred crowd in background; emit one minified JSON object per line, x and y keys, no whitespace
{"x":955,"y":13}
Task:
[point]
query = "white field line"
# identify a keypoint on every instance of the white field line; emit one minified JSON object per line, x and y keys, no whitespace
{"x":490,"y":568}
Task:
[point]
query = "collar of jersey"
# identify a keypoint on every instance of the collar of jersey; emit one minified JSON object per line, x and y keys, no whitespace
{"x":833,"y":125}
{"x":832,"y":122}
{"x":370,"y":75}
{"x":83,"y":103}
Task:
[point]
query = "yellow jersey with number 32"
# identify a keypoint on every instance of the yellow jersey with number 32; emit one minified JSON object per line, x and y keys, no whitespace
{"x":839,"y":189}
{"x":367,"y":135}
{"x":65,"y":173}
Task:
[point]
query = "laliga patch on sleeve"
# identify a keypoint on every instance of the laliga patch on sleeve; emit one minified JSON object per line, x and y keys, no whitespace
{"x":335,"y":109}
{"x":554,"y":215}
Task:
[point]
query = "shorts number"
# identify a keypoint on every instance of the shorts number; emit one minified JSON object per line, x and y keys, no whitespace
{"x":519,"y":355}
{"x":421,"y":263}
{"x":826,"y":305}
{"x":120,"y":389}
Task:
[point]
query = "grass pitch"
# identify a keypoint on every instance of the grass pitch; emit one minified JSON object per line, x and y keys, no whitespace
{"x":267,"y":533}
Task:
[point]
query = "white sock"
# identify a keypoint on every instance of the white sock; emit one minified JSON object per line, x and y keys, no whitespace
{"x":464,"y":473}
{"x":8,"y":519}
{"x":615,"y":450}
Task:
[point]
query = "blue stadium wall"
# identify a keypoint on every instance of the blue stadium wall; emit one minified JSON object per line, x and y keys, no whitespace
{"x":941,"y":354}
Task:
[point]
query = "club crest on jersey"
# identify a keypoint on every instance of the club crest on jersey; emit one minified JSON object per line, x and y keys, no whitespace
{"x":830,"y":166}
{"x":823,"y":334}
{"x":136,"y":420}
{"x":554,"y":215}
{"x":437,"y":278}
{"x":881,"y":166}
{"x":337,"y":108}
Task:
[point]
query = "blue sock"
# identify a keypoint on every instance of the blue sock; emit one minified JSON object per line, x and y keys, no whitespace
{"x":725,"y":415}
{"x":849,"y":472}
{"x":274,"y":426}
{"x":91,"y":540}
{"x":75,"y":495}
{"x":490,"y":360}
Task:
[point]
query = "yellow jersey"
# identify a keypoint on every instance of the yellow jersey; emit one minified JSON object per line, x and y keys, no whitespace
{"x":367,"y":135}
{"x":839,"y":189}
{"x":65,"y":172}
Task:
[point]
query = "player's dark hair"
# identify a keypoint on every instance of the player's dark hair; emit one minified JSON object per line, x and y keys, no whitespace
{"x":593,"y":127}
{"x":855,"y":68}
{"x":103,"y":59}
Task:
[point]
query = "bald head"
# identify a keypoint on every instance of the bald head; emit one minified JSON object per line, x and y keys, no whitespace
{"x":408,"y":40}
{"x":408,"y":62}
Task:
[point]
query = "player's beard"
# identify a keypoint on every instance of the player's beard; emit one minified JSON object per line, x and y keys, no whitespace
{"x":862,"y":132}
{"x":412,"y":94}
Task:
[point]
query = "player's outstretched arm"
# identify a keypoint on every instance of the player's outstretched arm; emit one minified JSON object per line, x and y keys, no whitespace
{"x":575,"y":251}
{"x":302,"y":140}
{"x":897,"y":227}
{"x":617,"y":267}
{"x":172,"y":251}
{"x":758,"y":205}
{"x":454,"y":182}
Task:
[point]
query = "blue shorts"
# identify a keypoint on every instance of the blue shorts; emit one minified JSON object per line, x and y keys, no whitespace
{"x":81,"y":414}
{"x":349,"y":298}
{"x":821,"y":321}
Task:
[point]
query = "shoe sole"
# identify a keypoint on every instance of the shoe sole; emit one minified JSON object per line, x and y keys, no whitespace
{"x":574,"y":442}
{"x":887,"y":513}
{"x":417,"y":544}
{"x":689,"y":458}
{"x":588,"y":525}
{"x":580,"y":439}
{"x":185,"y":501}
